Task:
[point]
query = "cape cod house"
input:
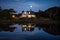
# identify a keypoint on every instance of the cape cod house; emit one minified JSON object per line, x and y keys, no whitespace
{"x":28,"y":14}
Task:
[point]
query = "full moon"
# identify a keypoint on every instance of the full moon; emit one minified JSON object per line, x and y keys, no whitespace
{"x":31,"y":6}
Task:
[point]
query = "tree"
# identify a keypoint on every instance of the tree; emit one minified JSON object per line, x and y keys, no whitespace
{"x":0,"y":9}
{"x":5,"y":14}
{"x":12,"y":11}
{"x":0,"y":12}
{"x":54,"y":12}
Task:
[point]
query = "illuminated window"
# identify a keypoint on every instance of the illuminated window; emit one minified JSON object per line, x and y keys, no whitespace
{"x":13,"y":16}
{"x":23,"y":15}
{"x":25,"y":12}
{"x":29,"y":12}
{"x":25,"y":29}
{"x":29,"y":25}
{"x":29,"y":16}
{"x":32,"y":26}
{"x":33,"y":15}
{"x":29,"y":28}
{"x":24,"y":25}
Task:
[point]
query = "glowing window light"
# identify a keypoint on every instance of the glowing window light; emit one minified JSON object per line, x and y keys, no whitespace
{"x":29,"y":28}
{"x":29,"y":16}
{"x":29,"y":12}
{"x":33,"y":15}
{"x":24,"y":25}
{"x":32,"y":26}
{"x":23,"y":15}
{"x":25,"y":29}
{"x":25,"y":12}
{"x":29,"y":25}
{"x":13,"y":16}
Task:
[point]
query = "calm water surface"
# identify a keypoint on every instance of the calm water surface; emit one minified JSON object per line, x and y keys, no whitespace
{"x":29,"y":31}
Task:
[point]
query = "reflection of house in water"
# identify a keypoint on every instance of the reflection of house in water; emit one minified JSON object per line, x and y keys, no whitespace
{"x":28,"y":14}
{"x":28,"y":27}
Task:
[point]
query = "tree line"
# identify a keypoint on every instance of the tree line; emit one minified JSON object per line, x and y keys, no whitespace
{"x":52,"y":13}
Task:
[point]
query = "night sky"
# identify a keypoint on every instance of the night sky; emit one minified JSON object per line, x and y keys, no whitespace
{"x":35,"y":5}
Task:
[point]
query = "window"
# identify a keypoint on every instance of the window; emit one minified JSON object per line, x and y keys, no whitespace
{"x":13,"y":16}
{"x":29,"y":16}
{"x":33,"y":15}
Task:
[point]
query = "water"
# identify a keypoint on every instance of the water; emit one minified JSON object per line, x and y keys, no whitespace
{"x":29,"y":31}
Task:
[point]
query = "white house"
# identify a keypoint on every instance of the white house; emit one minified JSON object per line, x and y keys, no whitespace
{"x":28,"y":14}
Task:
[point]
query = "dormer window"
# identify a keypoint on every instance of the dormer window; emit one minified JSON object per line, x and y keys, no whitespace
{"x":25,"y":12}
{"x":29,"y":12}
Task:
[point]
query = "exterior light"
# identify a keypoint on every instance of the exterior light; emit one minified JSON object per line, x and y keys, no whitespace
{"x":13,"y":16}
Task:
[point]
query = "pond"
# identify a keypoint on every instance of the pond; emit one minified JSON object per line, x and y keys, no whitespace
{"x":29,"y":31}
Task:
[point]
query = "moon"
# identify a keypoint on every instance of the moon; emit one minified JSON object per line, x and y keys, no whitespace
{"x":31,"y":6}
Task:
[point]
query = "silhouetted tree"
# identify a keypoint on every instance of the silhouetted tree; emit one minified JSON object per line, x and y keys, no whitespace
{"x":41,"y":14}
{"x":0,"y":13}
{"x":0,"y":9}
{"x":5,"y":27}
{"x":5,"y":14}
{"x":54,"y":13}
{"x":52,"y":29}
{"x":12,"y":10}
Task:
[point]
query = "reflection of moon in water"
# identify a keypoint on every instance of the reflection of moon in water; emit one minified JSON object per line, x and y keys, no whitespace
{"x":31,"y":6}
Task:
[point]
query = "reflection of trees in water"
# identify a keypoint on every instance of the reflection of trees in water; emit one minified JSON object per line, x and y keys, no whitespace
{"x":39,"y":26}
{"x":52,"y":29}
{"x":5,"y":27}
{"x":49,"y":28}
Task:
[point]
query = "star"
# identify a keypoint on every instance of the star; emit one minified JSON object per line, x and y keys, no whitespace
{"x":31,"y":6}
